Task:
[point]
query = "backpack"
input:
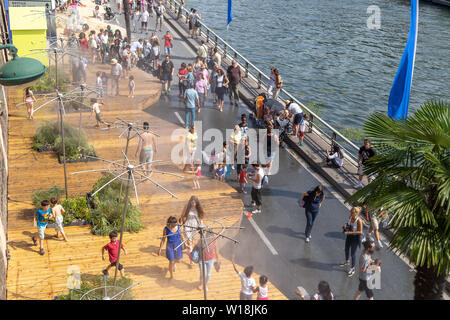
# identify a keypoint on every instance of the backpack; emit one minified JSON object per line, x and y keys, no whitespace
{"x":211,"y":63}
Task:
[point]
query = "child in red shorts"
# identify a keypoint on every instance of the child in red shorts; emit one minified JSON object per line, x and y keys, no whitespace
{"x":301,"y":132}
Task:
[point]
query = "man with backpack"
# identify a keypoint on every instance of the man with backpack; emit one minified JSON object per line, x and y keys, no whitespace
{"x":257,"y":178}
{"x":202,"y":51}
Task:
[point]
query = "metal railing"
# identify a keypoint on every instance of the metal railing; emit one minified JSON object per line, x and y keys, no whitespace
{"x":324,"y":130}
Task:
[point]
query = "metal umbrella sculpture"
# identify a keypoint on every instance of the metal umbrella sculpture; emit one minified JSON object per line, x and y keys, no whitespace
{"x":127,"y":173}
{"x":206,"y":233}
{"x":129,"y":127}
{"x":70,"y":96}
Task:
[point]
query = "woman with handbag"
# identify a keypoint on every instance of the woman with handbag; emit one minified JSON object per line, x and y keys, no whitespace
{"x":221,"y":84}
{"x":311,"y":201}
{"x":353,"y":230}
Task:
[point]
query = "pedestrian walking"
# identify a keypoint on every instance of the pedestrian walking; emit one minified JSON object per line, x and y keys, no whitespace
{"x":99,"y":85}
{"x":372,"y":216}
{"x":160,"y":10}
{"x":271,"y":83}
{"x":312,"y":201}
{"x":180,"y":9}
{"x":197,"y":174}
{"x":202,"y":51}
{"x":167,"y":69}
{"x":98,"y":114}
{"x":192,"y":100}
{"x":174,"y":250}
{"x":365,"y":270}
{"x":248,"y":284}
{"x":195,"y":24}
{"x":182,"y":81}
{"x":365,"y":153}
{"x":146,"y":147}
{"x":272,"y":143}
{"x":191,"y":217}
{"x":57,"y":214}
{"x":212,"y":82}
{"x":324,"y":292}
{"x":278,"y":83}
{"x":210,"y":259}
{"x":40,"y":221}
{"x":217,"y":57}
{"x":116,"y":72}
{"x":29,"y":100}
{"x":257,"y":178}
{"x":136,"y":18}
{"x":235,"y":77}
{"x":168,"y":43}
{"x":262,"y":291}
{"x":191,"y":147}
{"x":131,"y":86}
{"x":156,"y":51}
{"x":144,"y":21}
{"x":221,"y":86}
{"x":353,"y":230}
{"x":201,"y":86}
{"x":243,"y":178}
{"x":113,"y":250}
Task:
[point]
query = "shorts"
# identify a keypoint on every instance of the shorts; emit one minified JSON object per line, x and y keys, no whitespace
{"x":145,"y":156}
{"x":171,"y":253}
{"x":298,"y":118}
{"x":190,"y":25}
{"x":113,"y":264}
{"x":301,"y":133}
{"x":159,"y":19}
{"x":41,"y":231}
{"x":363,"y":287}
{"x":98,"y":117}
{"x":168,"y":50}
{"x":243,"y":296}
{"x":59,"y":224}
{"x":374,"y":223}
{"x":144,"y":24}
{"x":243,"y":185}
{"x":361,"y":172}
{"x":166,"y":77}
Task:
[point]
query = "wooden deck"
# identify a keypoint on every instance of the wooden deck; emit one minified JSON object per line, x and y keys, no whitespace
{"x":31,"y":276}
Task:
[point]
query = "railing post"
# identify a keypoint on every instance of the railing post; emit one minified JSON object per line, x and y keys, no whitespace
{"x":215,"y":40}
{"x":259,"y":80}
{"x":246,"y":69}
{"x":311,"y":123}
{"x":207,"y":35}
{"x":224,"y":50}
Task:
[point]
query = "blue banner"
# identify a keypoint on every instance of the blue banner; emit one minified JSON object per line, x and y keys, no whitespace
{"x":229,"y":18}
{"x":401,"y":88}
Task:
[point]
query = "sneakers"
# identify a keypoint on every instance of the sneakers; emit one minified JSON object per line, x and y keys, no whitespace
{"x":380,"y":245}
{"x":358,"y":185}
{"x":344,"y":264}
{"x":41,"y":252}
{"x":105,"y":272}
{"x":232,"y":167}
{"x":34,"y":241}
{"x":351,"y":272}
{"x":244,"y":192}
{"x":308,"y":239}
{"x":256,"y":211}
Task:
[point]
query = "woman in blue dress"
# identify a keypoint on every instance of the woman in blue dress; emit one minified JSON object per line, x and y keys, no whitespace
{"x":173,"y":235}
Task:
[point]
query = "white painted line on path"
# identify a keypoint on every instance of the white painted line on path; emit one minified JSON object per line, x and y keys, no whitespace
{"x":263,"y":236}
{"x":179,"y":117}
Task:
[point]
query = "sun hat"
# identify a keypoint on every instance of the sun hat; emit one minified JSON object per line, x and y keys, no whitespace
{"x":113,"y":61}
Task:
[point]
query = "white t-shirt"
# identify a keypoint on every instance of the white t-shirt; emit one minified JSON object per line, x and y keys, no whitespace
{"x":145,"y":16}
{"x":247,"y":284}
{"x":96,"y":108}
{"x":263,"y":291}
{"x":99,"y":82}
{"x":294,"y":108}
{"x":135,"y":45}
{"x":319,"y":297}
{"x":104,"y":38}
{"x":302,"y":125}
{"x":136,"y":16}
{"x":260,"y":172}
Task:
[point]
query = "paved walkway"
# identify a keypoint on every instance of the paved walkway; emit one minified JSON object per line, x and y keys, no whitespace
{"x":31,"y":276}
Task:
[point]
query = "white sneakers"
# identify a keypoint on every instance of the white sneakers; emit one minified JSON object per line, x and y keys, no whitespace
{"x":351,"y":272}
{"x":380,"y":245}
{"x":358,"y":185}
{"x":308,"y":239}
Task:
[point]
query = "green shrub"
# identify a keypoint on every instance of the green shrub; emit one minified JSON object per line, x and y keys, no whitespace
{"x":89,"y":282}
{"x":76,"y":206}
{"x":48,"y":81}
{"x":42,"y":194}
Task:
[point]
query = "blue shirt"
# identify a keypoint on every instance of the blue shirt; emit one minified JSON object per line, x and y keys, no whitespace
{"x":190,"y":77}
{"x":42,"y":217}
{"x":191,"y":96}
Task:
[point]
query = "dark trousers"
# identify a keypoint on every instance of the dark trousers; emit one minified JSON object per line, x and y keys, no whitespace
{"x":234,"y":91}
{"x":256,"y":197}
{"x":310,"y":217}
{"x":181,"y":87}
{"x":115,"y":84}
{"x":351,"y":245}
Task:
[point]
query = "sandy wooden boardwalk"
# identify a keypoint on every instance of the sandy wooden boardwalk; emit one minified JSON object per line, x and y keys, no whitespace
{"x":31,"y":276}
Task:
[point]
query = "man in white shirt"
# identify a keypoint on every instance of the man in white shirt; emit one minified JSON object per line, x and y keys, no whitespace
{"x":136,"y":49}
{"x":160,"y":10}
{"x":144,"y":21}
{"x":256,"y":177}
{"x":116,"y":72}
{"x":105,"y":49}
{"x":295,"y":111}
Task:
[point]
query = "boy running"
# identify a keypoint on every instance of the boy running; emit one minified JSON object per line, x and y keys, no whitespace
{"x":98,"y":113}
{"x":42,"y":216}
{"x":113,"y":249}
{"x":57,"y":214}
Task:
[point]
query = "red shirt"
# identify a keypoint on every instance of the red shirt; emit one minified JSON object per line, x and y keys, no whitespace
{"x":182,"y":72}
{"x":168,"y":40}
{"x":212,"y":250}
{"x":242,"y":176}
{"x":112,"y":250}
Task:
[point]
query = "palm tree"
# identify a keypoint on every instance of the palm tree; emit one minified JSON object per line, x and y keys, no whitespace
{"x":412,"y":169}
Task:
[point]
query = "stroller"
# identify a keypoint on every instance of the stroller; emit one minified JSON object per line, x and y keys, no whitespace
{"x":284,"y":126}
{"x":108,"y":13}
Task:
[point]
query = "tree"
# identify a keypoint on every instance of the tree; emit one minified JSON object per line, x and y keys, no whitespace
{"x":412,"y":169}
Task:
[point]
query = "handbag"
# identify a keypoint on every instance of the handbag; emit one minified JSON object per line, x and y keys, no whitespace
{"x":217,"y":266}
{"x":195,"y":254}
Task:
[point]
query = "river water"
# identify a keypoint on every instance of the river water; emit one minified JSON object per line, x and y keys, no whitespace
{"x":326,"y":53}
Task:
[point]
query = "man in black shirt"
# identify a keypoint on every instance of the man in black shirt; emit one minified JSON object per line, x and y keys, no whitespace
{"x":167,"y":74}
{"x":235,"y":77}
{"x":365,"y":153}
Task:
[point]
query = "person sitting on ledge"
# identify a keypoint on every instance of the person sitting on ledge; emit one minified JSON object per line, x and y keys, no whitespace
{"x":335,"y":157}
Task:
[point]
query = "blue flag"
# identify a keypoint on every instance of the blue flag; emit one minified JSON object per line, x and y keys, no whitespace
{"x":401,"y":88}
{"x":229,"y":18}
